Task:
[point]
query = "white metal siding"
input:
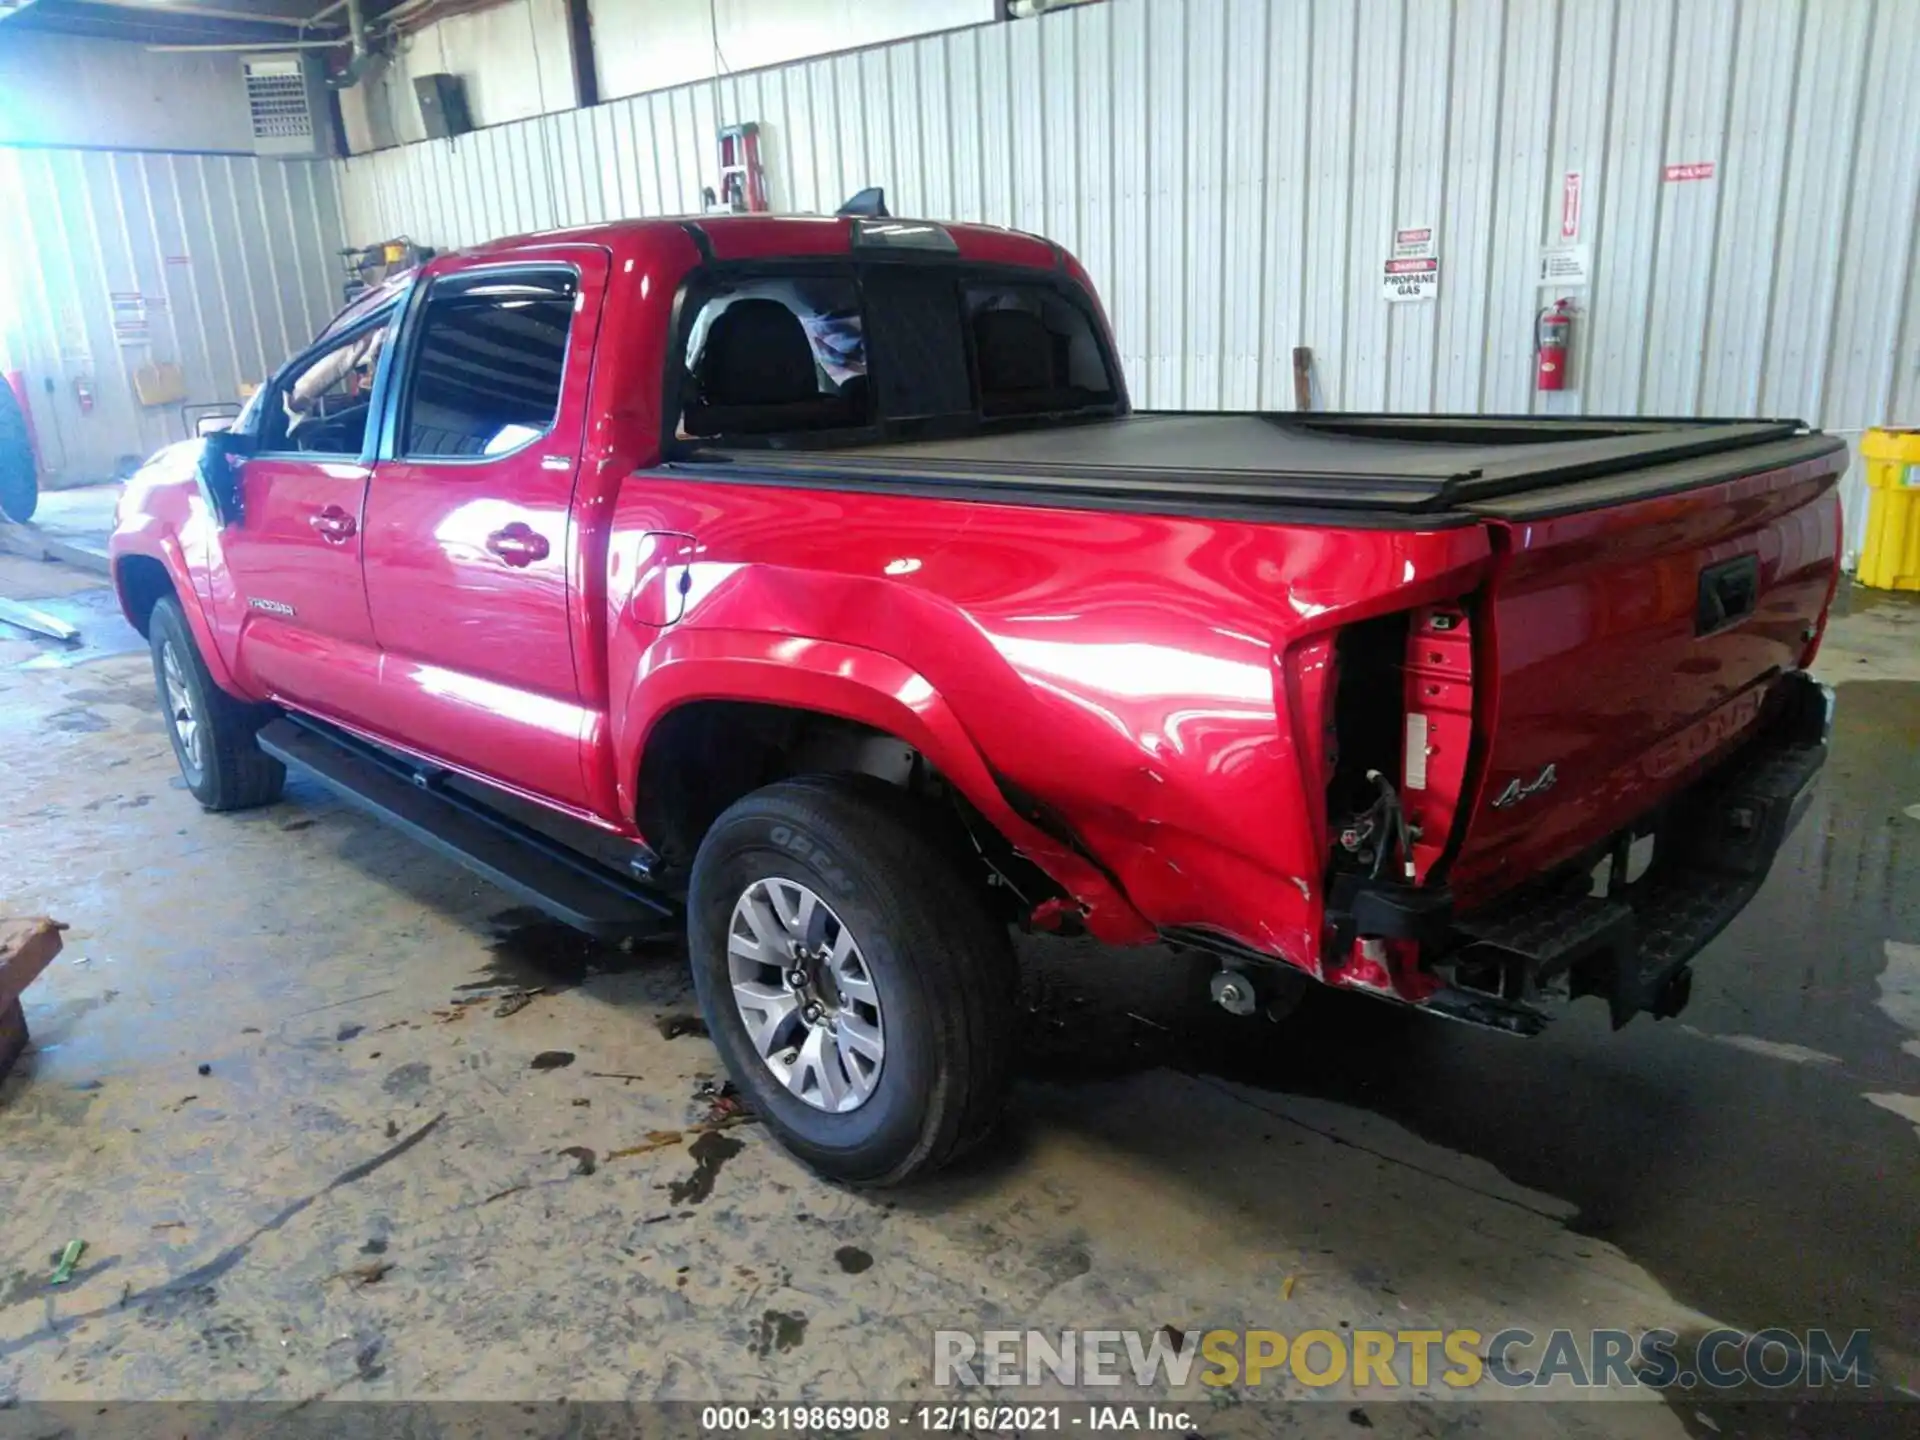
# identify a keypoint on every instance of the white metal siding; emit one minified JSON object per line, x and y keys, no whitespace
{"x":232,"y":258}
{"x":650,"y":44}
{"x":514,"y":58}
{"x":78,"y":91}
{"x":1231,"y":171}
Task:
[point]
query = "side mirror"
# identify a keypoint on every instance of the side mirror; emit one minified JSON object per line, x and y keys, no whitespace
{"x":206,"y":419}
{"x":222,"y":454}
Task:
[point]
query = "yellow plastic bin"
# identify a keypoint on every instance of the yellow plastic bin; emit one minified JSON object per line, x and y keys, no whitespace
{"x":1890,"y":554}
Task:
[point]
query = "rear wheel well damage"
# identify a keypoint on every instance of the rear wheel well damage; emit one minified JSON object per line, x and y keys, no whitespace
{"x":704,"y":755}
{"x":142,"y":582}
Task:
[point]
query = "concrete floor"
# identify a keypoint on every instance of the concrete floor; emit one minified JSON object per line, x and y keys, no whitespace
{"x":1755,"y":1164}
{"x":70,"y":525}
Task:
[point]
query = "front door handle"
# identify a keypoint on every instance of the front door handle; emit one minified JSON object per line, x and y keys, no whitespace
{"x":334,"y":524}
{"x":519,"y":544}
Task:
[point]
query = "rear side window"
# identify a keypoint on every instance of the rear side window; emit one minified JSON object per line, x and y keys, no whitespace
{"x":912,"y":348}
{"x":487,"y":365}
{"x":1035,"y":351}
{"x":778,"y":355}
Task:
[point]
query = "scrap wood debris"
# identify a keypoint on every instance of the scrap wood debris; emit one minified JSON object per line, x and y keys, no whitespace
{"x":656,"y":1140}
{"x":513,"y":999}
{"x":370,"y":1273}
{"x":27,"y":947}
{"x":38,"y":622}
{"x":661,"y":1139}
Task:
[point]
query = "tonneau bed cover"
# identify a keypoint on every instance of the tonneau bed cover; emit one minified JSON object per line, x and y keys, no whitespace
{"x":1350,"y":464}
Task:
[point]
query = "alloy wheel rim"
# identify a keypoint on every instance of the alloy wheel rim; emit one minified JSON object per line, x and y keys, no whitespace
{"x":180,"y":711}
{"x":805,"y":994}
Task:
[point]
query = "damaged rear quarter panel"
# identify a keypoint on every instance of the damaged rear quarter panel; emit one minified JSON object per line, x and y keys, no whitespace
{"x":1157,"y":681}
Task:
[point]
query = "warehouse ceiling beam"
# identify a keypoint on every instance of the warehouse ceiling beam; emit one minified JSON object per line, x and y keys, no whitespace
{"x":216,"y":20}
{"x":204,"y":12}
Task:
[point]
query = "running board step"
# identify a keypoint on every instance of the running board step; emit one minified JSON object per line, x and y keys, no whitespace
{"x":539,"y":870}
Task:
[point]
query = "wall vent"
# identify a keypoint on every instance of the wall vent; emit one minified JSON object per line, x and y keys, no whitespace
{"x":286,"y":105}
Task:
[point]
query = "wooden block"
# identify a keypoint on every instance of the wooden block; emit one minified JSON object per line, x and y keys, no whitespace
{"x":13,"y":1035}
{"x":27,"y":946}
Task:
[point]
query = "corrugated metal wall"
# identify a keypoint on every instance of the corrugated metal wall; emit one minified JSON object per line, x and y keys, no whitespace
{"x":223,"y":265}
{"x":1232,"y":171}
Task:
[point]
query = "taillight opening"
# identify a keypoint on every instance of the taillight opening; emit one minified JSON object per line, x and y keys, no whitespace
{"x":1368,"y":733}
{"x":1402,"y":731}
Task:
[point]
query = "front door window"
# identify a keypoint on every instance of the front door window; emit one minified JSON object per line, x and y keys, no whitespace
{"x":323,"y":409}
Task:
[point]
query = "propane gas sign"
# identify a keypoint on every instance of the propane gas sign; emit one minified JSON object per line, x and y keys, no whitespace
{"x":1412,"y":270}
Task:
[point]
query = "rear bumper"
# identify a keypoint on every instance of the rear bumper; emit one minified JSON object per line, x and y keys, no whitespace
{"x":1510,"y":964}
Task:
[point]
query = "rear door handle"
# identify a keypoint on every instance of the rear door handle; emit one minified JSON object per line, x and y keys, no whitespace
{"x":334,"y":524}
{"x":1729,"y":591}
{"x":519,"y":544}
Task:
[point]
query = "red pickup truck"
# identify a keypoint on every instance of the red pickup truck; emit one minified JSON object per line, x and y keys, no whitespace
{"x":810,"y":583}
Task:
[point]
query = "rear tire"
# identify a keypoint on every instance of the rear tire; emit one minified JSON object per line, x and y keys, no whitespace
{"x":212,"y":732}
{"x":19,"y":485}
{"x":904,"y":958}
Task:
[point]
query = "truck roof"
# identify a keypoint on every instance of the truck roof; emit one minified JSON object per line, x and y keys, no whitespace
{"x":766,"y":237}
{"x":732,"y":237}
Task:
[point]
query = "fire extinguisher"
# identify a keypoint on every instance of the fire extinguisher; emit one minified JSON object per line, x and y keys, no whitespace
{"x":1552,"y":336}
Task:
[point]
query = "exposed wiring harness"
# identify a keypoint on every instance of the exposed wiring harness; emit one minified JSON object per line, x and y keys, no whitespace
{"x":1388,"y":815}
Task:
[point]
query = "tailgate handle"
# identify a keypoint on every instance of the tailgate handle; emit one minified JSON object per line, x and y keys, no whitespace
{"x":1728,"y":592}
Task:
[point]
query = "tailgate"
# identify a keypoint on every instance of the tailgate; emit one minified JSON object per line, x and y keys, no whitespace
{"x":1633,"y":644}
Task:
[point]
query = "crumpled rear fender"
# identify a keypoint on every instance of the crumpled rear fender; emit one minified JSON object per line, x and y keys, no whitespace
{"x":865,"y":686}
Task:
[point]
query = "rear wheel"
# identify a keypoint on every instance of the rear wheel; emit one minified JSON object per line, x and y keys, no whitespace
{"x":858,"y":990}
{"x":212,"y":733}
{"x":19,"y":487}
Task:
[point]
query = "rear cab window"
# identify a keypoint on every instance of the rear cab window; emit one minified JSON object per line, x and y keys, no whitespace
{"x":810,"y":354}
{"x":773,"y":355}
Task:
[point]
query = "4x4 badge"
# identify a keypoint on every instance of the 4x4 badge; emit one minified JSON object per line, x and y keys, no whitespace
{"x":1518,"y":790}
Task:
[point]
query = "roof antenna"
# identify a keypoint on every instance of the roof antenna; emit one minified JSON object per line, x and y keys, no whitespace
{"x":870,"y":201}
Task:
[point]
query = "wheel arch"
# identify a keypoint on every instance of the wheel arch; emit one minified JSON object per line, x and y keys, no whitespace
{"x":772,"y":706}
{"x":141,"y":582}
{"x":142,"y":579}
